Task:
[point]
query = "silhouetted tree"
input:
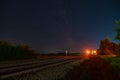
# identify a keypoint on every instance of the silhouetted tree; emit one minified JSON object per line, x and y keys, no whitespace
{"x":5,"y":49}
{"x":107,"y":47}
{"x":9,"y":51}
{"x":117,"y":37}
{"x":117,"y":29}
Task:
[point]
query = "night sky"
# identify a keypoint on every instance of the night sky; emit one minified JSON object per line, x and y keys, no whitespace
{"x":54,"y":25}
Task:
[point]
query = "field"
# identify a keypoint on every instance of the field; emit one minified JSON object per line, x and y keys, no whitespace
{"x":65,"y":68}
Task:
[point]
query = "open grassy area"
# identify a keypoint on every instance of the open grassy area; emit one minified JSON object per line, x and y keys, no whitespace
{"x":94,"y":68}
{"x":115,"y":62}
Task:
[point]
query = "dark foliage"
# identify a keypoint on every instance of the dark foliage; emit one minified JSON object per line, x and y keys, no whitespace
{"x":11,"y":52}
{"x":117,"y":29}
{"x":107,"y":47}
{"x":94,"y":68}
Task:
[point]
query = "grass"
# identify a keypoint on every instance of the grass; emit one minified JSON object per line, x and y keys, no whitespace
{"x":115,"y":62}
{"x":95,"y":68}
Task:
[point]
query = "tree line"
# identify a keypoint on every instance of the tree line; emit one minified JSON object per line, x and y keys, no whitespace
{"x":10,"y":51}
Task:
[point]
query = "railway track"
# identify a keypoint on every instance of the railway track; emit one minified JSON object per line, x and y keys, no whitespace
{"x":23,"y":62}
{"x":29,"y":68}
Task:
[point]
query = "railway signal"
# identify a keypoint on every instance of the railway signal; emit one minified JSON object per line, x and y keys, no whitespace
{"x":90,"y":52}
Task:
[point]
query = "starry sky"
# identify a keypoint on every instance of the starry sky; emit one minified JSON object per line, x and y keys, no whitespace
{"x":54,"y":25}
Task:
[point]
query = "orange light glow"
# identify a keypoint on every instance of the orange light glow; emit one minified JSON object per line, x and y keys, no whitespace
{"x":94,"y":51}
{"x":88,"y":52}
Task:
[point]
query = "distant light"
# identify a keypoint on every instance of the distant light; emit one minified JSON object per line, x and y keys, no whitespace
{"x":94,"y":51}
{"x":88,"y":52}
